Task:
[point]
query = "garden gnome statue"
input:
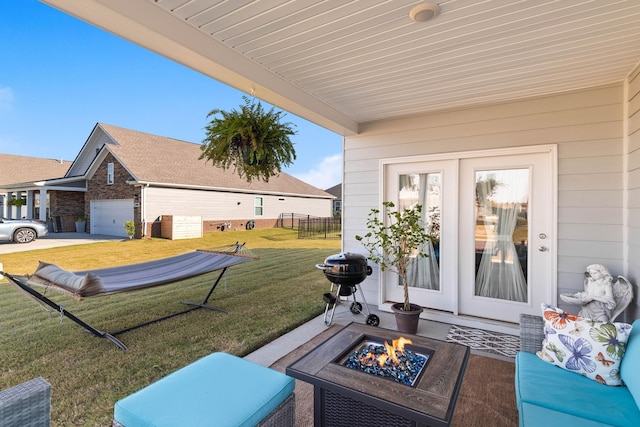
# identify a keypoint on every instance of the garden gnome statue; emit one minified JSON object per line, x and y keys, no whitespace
{"x":599,"y":300}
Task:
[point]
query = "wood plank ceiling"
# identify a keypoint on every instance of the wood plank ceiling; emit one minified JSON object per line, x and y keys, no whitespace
{"x":368,"y":61}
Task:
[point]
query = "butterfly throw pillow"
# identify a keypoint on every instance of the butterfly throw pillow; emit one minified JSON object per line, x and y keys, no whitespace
{"x":588,"y":347}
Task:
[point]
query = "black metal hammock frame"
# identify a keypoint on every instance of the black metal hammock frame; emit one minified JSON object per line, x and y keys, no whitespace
{"x":133,"y":277}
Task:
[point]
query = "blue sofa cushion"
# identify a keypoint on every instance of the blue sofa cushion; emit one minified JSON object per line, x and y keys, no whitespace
{"x":217,"y":390}
{"x":542,"y":388}
{"x":630,"y":367}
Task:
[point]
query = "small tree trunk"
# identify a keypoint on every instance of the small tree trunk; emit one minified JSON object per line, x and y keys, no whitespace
{"x":406,"y":294}
{"x":402,"y":272}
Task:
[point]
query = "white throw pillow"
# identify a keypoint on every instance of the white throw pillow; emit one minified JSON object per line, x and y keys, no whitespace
{"x":84,"y":286}
{"x":587,"y":347}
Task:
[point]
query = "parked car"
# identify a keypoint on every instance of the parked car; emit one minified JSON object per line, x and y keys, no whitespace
{"x":22,"y":230}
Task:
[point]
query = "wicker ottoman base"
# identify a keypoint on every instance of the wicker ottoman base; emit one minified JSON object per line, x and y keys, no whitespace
{"x":341,"y":410}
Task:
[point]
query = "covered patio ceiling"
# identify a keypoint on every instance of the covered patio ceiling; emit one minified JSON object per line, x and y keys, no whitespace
{"x":340,"y":63}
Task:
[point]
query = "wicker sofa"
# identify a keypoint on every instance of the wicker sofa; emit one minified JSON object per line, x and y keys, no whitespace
{"x":26,"y":405}
{"x":548,"y":395}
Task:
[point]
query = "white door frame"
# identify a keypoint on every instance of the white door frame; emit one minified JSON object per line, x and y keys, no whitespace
{"x":550,"y":149}
{"x":444,"y":298}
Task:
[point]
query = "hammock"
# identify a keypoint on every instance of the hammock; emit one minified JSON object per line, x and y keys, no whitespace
{"x":131,"y":277}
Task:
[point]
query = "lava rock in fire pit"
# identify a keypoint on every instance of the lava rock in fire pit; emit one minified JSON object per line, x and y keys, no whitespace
{"x":405,"y":371}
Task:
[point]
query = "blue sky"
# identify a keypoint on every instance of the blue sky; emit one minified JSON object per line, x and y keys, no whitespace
{"x":60,"y":76}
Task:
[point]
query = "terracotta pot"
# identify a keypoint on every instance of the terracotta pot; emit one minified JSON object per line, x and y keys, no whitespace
{"x":407,"y":321}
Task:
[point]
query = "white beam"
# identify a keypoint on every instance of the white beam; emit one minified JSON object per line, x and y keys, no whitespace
{"x":147,"y":25}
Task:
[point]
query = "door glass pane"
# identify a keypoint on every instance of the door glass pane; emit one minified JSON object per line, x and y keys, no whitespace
{"x":501,"y":233}
{"x":424,"y":189}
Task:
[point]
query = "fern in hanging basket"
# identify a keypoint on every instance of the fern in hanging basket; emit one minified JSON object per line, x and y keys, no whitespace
{"x":16,"y":202}
{"x":251,"y":140}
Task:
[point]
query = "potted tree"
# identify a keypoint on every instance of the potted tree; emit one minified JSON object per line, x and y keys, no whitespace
{"x":81,"y":223}
{"x":251,"y":140}
{"x":393,"y":238}
{"x":130,"y":228}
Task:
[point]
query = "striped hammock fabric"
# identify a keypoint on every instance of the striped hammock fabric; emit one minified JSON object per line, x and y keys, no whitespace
{"x":131,"y":277}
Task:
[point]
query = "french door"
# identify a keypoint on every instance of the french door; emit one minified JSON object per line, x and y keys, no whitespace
{"x":426,"y":184}
{"x":491,"y":217}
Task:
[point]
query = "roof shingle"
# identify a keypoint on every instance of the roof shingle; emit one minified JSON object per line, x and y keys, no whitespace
{"x":158,"y":159}
{"x":24,"y":169}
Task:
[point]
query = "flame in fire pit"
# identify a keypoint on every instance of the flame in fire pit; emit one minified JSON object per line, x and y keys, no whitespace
{"x":389,"y":361}
{"x":391,"y":353}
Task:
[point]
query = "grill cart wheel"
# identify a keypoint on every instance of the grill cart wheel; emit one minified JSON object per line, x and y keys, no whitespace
{"x":356,"y":307}
{"x":373,"y":320}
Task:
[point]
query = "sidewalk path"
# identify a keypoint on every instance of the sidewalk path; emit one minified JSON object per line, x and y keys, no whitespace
{"x":54,"y":240}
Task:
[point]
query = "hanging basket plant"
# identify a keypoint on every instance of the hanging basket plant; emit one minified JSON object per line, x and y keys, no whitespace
{"x":251,"y":140}
{"x":16,"y":202}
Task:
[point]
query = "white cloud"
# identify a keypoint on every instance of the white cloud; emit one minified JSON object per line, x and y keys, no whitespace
{"x":6,"y":98}
{"x":324,"y":175}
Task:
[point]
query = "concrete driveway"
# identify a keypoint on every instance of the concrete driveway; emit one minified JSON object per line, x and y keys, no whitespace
{"x":54,"y":240}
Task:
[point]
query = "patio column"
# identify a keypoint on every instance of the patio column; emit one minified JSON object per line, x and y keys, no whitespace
{"x":43,"y":205}
{"x":13,"y":212}
{"x":18,"y":213}
{"x":29,"y":205}
{"x":3,"y":199}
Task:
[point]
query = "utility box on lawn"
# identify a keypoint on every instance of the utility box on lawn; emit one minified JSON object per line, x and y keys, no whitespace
{"x":176,"y":227}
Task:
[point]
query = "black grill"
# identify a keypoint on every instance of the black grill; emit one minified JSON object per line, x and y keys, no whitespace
{"x":346,"y":271}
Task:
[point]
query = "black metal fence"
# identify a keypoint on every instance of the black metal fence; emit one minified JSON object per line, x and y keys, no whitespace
{"x":319,"y":228}
{"x":290,"y":220}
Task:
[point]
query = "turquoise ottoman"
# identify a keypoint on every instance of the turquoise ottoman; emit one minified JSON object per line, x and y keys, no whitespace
{"x":217,"y":390}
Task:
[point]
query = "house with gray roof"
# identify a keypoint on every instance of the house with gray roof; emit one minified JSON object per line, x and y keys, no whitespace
{"x":22,"y":177}
{"x":336,"y":191}
{"x":121,"y":175}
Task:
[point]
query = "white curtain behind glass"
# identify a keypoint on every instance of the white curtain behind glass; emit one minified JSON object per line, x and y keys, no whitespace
{"x":424,"y":272}
{"x":500,"y":274}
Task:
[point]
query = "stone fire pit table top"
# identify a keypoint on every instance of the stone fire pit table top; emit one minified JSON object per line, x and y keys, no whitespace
{"x":430,"y":401}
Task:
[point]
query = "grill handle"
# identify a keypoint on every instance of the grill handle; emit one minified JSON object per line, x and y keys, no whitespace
{"x":323,"y":267}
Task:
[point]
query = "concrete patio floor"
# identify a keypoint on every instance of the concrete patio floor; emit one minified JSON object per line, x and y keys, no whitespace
{"x":283,"y":345}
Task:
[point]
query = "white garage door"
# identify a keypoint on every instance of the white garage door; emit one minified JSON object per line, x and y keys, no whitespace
{"x":108,"y":216}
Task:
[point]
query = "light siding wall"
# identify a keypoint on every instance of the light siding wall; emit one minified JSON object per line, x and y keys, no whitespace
{"x":88,"y":153}
{"x":633,"y":185}
{"x":587,"y":127}
{"x":223,"y":206}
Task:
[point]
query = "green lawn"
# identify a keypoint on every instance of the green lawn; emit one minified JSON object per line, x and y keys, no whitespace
{"x":265,"y":298}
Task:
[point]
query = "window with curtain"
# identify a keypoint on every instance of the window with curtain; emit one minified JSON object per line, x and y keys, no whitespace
{"x":502,"y":233}
{"x":424,"y":189}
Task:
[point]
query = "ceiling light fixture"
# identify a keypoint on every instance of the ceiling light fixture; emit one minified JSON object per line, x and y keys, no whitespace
{"x":424,"y":12}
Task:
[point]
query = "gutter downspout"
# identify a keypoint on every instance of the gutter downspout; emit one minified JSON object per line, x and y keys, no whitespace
{"x":143,"y":210}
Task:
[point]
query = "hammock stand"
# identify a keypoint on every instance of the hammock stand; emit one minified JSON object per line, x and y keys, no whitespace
{"x":139,"y":276}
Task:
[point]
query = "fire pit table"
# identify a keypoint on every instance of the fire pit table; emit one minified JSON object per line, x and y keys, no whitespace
{"x":346,"y":396}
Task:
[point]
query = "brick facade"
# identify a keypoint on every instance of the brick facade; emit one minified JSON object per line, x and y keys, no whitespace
{"x":66,"y":206}
{"x":154,"y":228}
{"x":211,"y":226}
{"x":99,"y":189}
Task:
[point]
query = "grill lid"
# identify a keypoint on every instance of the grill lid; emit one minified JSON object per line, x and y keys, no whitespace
{"x":345,"y":268}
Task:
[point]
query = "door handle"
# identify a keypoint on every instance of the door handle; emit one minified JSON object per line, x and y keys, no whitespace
{"x":543,"y":248}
